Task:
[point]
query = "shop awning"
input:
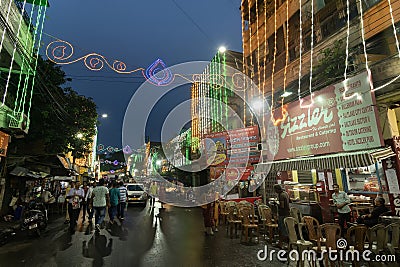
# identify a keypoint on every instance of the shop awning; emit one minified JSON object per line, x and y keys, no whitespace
{"x":331,"y":161}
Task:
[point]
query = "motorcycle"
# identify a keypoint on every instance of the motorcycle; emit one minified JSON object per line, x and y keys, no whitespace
{"x":6,"y":235}
{"x":35,"y":218}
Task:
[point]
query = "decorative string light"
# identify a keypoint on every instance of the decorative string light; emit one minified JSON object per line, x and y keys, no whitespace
{"x":300,"y":49}
{"x":286,"y":52}
{"x":25,"y":65}
{"x":39,"y":25}
{"x":251,"y":57}
{"x":311,"y":61}
{"x":365,"y":50}
{"x":36,"y":59}
{"x":265,"y":62}
{"x":244,"y":62}
{"x":283,"y":110}
{"x":13,"y":56}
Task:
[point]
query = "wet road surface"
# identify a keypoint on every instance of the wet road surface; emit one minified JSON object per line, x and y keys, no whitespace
{"x":148,"y":237}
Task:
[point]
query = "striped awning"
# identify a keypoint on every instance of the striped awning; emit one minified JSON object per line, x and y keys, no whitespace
{"x":328,"y":162}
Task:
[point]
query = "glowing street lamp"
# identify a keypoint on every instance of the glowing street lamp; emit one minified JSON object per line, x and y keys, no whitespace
{"x":222,"y":49}
{"x":104,"y":115}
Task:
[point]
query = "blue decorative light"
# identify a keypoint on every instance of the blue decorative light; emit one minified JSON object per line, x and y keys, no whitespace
{"x":158,"y":73}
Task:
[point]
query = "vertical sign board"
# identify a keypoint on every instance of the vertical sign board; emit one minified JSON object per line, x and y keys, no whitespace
{"x":4,"y":138}
{"x":390,"y":176}
{"x":238,"y":148}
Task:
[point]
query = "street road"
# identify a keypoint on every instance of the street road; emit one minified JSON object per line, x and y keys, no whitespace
{"x":148,"y":237}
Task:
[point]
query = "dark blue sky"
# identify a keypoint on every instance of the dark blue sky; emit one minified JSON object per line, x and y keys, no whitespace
{"x":138,"y":33}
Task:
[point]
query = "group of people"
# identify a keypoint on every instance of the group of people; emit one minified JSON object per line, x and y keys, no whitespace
{"x":94,"y":199}
{"x":342,"y":202}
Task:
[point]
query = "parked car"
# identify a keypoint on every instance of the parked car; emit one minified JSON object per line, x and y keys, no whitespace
{"x":136,"y":193}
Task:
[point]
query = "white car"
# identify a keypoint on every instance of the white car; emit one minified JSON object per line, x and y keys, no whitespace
{"x":136,"y":193}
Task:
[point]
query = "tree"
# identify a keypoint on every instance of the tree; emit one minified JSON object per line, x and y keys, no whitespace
{"x":332,"y":64}
{"x":57,"y":115}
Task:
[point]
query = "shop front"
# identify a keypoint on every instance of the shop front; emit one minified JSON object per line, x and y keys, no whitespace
{"x":331,"y":137}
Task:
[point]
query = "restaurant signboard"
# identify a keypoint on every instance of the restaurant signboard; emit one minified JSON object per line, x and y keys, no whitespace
{"x":235,"y":147}
{"x":332,"y":121}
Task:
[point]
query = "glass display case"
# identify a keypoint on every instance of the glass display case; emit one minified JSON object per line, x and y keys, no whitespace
{"x":366,"y":180}
{"x":305,"y":198}
{"x":301,"y":193}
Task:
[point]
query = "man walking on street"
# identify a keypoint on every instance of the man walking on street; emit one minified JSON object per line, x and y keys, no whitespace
{"x":75,"y":196}
{"x":153,"y":193}
{"x":100,"y":200}
{"x":123,"y":192}
{"x":114,"y":201}
{"x":88,"y":199}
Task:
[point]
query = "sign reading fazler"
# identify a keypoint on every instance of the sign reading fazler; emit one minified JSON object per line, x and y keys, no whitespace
{"x":333,"y":123}
{"x":236,"y":147}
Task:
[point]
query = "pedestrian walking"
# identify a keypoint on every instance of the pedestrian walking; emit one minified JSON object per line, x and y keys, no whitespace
{"x":283,"y":212}
{"x":70,"y":185}
{"x":342,"y":201}
{"x":123,"y":193}
{"x":100,"y":201}
{"x":88,"y":198}
{"x":153,"y":193}
{"x":75,"y":196}
{"x":85,"y":189}
{"x":114,"y":201}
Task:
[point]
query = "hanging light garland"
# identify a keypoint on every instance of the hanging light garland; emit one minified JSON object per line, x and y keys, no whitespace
{"x":283,"y":110}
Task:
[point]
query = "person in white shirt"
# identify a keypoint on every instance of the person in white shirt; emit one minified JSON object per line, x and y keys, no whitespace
{"x":88,"y":199}
{"x":74,"y":197}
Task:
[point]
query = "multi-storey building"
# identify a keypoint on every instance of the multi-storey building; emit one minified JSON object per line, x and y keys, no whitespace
{"x":330,"y":60}
{"x":21,"y":26}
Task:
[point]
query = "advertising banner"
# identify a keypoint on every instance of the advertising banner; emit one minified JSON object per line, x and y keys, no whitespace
{"x":334,"y":122}
{"x":3,"y":143}
{"x":236,"y":146}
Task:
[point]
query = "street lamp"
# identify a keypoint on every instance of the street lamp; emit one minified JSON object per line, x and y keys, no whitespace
{"x":104,"y":115}
{"x":222,"y":49}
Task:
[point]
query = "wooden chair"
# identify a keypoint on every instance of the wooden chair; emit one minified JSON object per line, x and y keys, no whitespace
{"x":224,"y":211}
{"x":296,"y":213}
{"x":270,"y":223}
{"x":331,"y":232}
{"x":233,"y":220}
{"x":393,"y":238}
{"x":248,"y":223}
{"x":262,"y":219}
{"x":376,"y":236}
{"x":355,"y":237}
{"x":296,"y":240}
{"x":313,"y":229}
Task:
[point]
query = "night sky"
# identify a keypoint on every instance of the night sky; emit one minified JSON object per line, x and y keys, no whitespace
{"x":138,"y":33}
